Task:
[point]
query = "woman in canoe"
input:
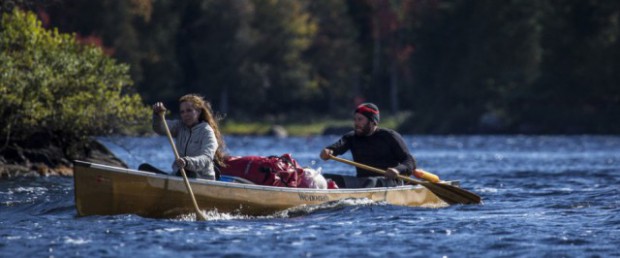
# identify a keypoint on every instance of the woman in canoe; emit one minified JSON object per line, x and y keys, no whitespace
{"x":197,"y":134}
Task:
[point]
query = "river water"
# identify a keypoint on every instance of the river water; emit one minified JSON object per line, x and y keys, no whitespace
{"x":544,"y":196}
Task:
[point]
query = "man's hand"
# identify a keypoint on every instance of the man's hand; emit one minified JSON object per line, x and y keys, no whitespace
{"x":391,"y":173}
{"x":325,"y":153}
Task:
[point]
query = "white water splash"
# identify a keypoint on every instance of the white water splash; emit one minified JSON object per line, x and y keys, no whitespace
{"x":233,"y":230}
{"x":307,"y":209}
{"x":167,"y":230}
{"x":37,"y":190}
{"x":486,"y":190}
{"x":76,"y":241}
{"x":215,"y":215}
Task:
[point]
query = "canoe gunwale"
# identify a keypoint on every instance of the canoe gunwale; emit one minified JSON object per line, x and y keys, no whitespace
{"x":201,"y":181}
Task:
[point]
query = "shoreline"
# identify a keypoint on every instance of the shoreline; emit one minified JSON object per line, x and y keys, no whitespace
{"x":19,"y":161}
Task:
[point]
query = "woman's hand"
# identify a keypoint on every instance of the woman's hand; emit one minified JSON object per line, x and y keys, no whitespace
{"x":158,"y":108}
{"x":181,"y":163}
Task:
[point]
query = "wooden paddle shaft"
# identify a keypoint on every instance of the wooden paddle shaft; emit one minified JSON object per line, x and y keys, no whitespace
{"x":199,"y":215}
{"x":369,"y":168}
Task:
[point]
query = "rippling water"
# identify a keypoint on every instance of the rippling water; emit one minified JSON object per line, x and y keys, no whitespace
{"x":554,"y":196}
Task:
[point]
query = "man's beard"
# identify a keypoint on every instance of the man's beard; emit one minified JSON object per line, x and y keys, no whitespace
{"x":364,"y":131}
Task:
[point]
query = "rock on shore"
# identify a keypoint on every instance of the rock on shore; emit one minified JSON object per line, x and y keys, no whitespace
{"x":40,"y":157}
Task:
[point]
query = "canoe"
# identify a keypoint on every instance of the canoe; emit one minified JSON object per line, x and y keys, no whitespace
{"x":108,"y":190}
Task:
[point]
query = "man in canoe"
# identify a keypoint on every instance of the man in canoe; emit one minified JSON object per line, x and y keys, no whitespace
{"x":373,"y":146}
{"x":197,"y":134}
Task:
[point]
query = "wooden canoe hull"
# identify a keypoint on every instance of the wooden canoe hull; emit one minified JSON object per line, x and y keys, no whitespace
{"x":106,"y":190}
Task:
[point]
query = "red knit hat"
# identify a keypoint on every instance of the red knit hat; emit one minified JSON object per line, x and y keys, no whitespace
{"x":369,"y":110}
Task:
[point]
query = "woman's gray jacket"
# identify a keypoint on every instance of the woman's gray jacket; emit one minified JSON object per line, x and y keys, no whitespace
{"x":197,"y":145}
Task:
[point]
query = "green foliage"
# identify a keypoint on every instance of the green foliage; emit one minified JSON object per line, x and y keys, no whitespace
{"x":578,"y":89}
{"x":275,"y":70}
{"x":49,"y":82}
{"x":223,"y":48}
{"x":471,"y":58}
{"x":335,"y":57}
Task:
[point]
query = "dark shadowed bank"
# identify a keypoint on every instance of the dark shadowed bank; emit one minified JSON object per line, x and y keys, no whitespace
{"x":42,"y":156}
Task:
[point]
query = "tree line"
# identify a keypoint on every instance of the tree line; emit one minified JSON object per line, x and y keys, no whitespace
{"x":454,"y":66}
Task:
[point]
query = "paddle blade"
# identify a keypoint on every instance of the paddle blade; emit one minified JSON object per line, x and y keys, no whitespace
{"x":452,"y":194}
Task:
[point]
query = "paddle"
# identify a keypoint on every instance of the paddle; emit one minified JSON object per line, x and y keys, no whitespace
{"x":422,"y":174}
{"x":199,"y":215}
{"x":449,"y":193}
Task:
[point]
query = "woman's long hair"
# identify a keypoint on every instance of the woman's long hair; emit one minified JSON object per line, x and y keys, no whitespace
{"x":206,"y":115}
